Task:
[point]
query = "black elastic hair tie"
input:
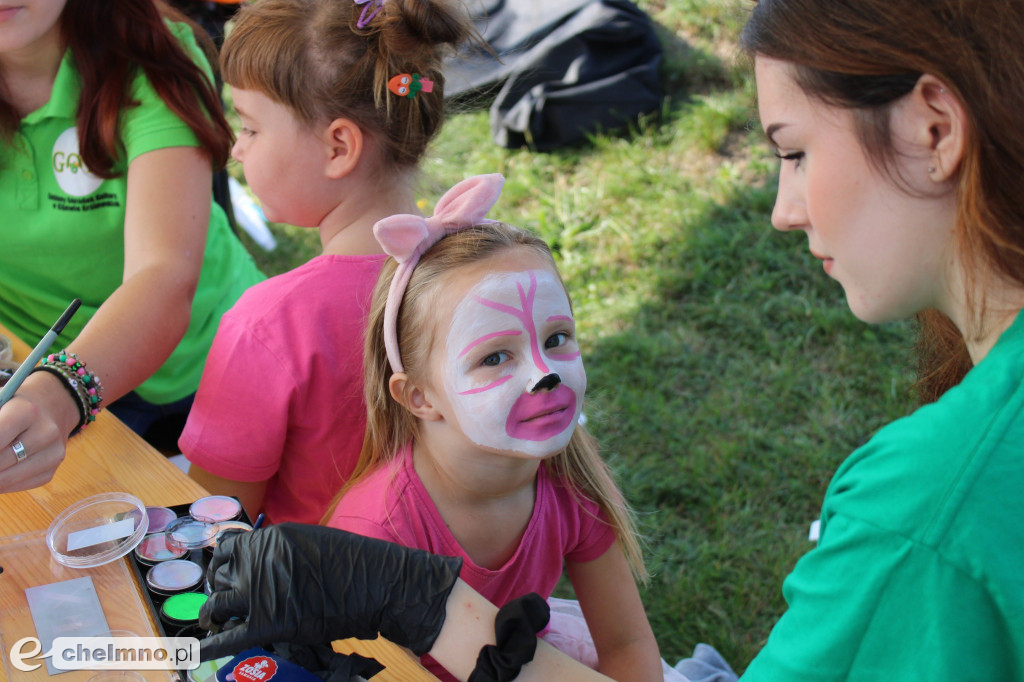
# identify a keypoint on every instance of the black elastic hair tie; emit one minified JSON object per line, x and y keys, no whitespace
{"x":515,"y":630}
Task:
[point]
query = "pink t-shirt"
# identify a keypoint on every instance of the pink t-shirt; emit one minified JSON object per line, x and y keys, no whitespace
{"x":392,"y":504}
{"x":281,"y":398}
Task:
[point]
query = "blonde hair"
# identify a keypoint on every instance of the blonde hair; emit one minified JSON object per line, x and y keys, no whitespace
{"x":389,"y":426}
{"x":310,"y":56}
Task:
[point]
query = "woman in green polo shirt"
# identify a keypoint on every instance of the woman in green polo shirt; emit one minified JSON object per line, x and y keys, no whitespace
{"x":898,"y":126}
{"x":109,"y":130}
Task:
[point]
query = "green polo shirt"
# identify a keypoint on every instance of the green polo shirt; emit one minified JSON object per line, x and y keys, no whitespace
{"x":62,"y":228}
{"x":919,"y":571}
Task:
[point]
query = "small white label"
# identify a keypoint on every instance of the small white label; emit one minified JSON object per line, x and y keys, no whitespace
{"x":815,"y":531}
{"x":104,"y":533}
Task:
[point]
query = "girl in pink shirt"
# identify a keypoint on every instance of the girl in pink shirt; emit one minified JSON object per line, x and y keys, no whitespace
{"x":334,"y":125}
{"x":475,"y":385}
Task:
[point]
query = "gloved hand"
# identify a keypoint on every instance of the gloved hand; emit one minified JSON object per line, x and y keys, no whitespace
{"x":327,"y":664}
{"x":311,"y":585}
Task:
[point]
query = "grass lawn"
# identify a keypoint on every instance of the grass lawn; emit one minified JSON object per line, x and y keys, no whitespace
{"x":727,"y":377}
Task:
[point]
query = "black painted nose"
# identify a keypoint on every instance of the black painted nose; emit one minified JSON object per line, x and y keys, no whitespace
{"x":547,"y":383}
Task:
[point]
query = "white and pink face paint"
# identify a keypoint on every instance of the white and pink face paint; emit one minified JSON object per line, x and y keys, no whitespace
{"x":512,"y":330}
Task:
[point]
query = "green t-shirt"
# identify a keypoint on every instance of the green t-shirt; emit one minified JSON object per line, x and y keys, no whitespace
{"x":919,"y":571}
{"x":62,"y":228}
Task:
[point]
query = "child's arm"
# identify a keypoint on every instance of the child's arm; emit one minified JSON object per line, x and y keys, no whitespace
{"x":469,"y":626}
{"x":608,"y":595}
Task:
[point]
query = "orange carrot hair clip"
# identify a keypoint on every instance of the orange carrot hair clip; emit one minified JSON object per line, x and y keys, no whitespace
{"x":408,"y":84}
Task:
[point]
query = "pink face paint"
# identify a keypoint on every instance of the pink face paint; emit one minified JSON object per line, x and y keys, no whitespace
{"x":491,"y":401}
{"x":159,"y":518}
{"x":493,"y":384}
{"x":542,"y":415}
{"x":215,"y":508}
{"x":488,"y":337}
{"x":524,"y":315}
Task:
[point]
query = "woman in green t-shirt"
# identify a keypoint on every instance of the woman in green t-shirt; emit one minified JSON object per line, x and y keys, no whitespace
{"x":110,"y":127}
{"x":898,"y":127}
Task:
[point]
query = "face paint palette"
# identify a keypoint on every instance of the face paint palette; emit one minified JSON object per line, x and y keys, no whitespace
{"x":155,"y":548}
{"x":169,"y":578}
{"x":159,"y":517}
{"x":170,"y":564}
{"x":182,"y":610}
{"x":215,"y":508}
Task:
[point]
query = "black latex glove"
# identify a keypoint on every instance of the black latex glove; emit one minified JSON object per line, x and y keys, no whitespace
{"x":326,"y":663}
{"x":311,"y":585}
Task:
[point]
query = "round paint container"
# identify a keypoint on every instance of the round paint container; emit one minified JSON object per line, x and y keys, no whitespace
{"x":226,"y":526}
{"x":192,"y":631}
{"x":182,"y":610}
{"x":215,"y":508}
{"x":173,"y":577}
{"x":155,"y":548}
{"x":159,"y":518}
{"x":207,"y":670}
{"x":189,"y":533}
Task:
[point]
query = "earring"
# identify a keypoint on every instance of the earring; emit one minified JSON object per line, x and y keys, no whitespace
{"x":931,"y":169}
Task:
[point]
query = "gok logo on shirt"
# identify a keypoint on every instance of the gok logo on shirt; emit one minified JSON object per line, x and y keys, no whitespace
{"x":72,"y":175}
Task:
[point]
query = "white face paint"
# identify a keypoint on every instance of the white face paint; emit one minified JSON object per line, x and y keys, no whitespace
{"x":512,"y":330}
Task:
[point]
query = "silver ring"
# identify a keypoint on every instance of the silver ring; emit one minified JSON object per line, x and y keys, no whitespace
{"x":19,"y":450}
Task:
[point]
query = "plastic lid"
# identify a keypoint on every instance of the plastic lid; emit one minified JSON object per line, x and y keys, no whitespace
{"x":97,"y":530}
{"x":189,"y":533}
{"x":226,"y":526}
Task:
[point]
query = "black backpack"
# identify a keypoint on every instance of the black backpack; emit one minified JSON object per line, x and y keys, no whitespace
{"x":568,"y":68}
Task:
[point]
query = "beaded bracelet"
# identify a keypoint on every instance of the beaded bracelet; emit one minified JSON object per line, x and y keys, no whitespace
{"x":65,"y":381}
{"x":86,"y":385}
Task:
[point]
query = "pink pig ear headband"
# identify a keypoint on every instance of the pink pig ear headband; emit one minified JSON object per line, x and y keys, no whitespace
{"x":407,"y":237}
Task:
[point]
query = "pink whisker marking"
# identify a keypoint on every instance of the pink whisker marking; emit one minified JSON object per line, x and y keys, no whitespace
{"x":488,"y":387}
{"x":525,"y":316}
{"x":487,"y":337}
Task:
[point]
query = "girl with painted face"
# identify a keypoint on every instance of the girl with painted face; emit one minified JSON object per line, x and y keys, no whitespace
{"x":475,"y":385}
{"x":897,"y":124}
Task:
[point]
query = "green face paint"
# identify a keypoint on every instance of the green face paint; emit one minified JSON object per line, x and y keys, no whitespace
{"x":183,"y":609}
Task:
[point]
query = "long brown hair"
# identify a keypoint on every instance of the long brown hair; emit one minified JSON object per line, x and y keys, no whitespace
{"x":389,"y":426}
{"x":311,"y":56}
{"x":109,"y":42}
{"x":864,"y":55}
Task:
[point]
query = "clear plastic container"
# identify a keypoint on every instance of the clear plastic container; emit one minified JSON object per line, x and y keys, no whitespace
{"x":97,"y":530}
{"x":189,"y":533}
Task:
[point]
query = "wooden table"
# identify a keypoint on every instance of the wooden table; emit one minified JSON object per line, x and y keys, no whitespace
{"x":110,"y":457}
